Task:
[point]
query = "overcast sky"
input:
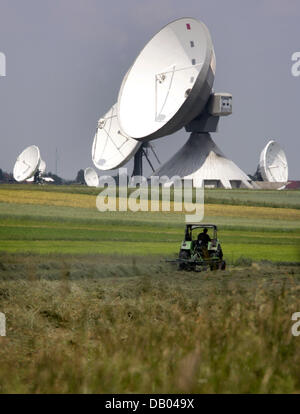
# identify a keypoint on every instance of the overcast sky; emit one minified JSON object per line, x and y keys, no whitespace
{"x":66,"y":60}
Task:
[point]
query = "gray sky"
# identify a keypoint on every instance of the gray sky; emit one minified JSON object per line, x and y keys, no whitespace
{"x":66,"y":60}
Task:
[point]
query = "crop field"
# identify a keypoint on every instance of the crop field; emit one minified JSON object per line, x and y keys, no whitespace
{"x":41,"y":220}
{"x":92,"y":306}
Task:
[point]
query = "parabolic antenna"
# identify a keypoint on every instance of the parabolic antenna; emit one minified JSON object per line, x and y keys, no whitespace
{"x":169,"y":83}
{"x":27,"y":163}
{"x":42,"y":167}
{"x":111,"y":148}
{"x":273,"y":165}
{"x":91,"y":177}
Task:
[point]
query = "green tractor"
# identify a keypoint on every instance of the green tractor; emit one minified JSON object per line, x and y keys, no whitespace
{"x":201,"y":248}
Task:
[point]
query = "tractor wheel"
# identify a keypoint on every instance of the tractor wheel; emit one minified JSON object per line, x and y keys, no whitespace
{"x":184,"y":254}
{"x":223,"y":265}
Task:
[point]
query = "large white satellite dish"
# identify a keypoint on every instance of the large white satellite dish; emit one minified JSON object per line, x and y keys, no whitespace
{"x":91,"y":177}
{"x":111,"y":148}
{"x":169,"y":86}
{"x":169,"y":83}
{"x":273,"y":165}
{"x":27,"y":163}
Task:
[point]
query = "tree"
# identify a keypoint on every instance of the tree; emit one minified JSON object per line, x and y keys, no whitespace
{"x":80,"y":177}
{"x":57,"y":180}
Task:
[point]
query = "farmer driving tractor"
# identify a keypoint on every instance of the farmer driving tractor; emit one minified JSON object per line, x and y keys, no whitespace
{"x":204,"y":237}
{"x":200,"y":253}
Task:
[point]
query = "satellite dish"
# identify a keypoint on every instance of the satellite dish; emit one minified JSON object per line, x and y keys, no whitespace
{"x":42,"y":167}
{"x":111,"y":148}
{"x":169,"y":86}
{"x":30,"y":167}
{"x":273,"y":165}
{"x":27,"y":163}
{"x":91,"y":177}
{"x":169,"y":83}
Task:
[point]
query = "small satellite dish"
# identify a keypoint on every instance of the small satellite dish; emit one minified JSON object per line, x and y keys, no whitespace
{"x":169,"y":83}
{"x":42,"y":167}
{"x":111,"y":148}
{"x":91,"y":177}
{"x":27,"y":163}
{"x":30,"y":167}
{"x":273,"y":165}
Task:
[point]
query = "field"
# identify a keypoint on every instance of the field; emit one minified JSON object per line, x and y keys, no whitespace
{"x":91,"y":305}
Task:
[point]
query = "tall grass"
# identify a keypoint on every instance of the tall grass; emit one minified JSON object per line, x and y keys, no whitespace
{"x":150,"y":331}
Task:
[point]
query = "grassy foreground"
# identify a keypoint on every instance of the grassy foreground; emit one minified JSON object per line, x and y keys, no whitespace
{"x":98,"y":325}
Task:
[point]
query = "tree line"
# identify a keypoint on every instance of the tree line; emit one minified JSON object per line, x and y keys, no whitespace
{"x":7,"y":178}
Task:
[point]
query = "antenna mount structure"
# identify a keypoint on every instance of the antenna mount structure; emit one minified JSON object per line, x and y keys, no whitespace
{"x":143,"y":152}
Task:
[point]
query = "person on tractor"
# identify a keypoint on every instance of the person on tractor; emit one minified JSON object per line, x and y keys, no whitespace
{"x":204,"y":237}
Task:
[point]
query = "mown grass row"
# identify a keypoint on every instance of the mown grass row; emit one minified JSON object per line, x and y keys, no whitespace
{"x":232,"y":251}
{"x":52,"y":199}
{"x":126,"y":233}
{"x":234,"y":216}
{"x":121,"y":238}
{"x":244,"y":197}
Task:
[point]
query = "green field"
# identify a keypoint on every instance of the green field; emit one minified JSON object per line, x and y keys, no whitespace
{"x":92,"y":306}
{"x":267,"y":198}
{"x":65,"y":220}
